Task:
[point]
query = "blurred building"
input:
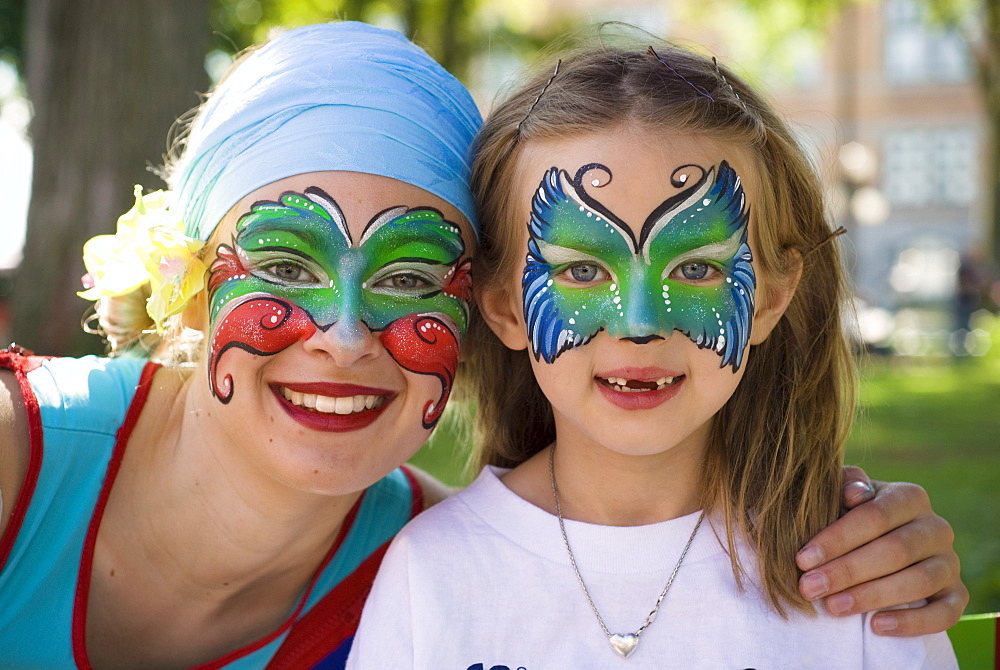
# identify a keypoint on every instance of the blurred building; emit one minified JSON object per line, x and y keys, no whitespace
{"x":888,"y":105}
{"x":894,"y":112}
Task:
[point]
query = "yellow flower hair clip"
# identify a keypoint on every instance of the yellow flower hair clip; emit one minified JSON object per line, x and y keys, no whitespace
{"x":149,"y":246}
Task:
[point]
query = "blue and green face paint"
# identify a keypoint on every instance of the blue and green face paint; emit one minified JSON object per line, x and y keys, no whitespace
{"x":293,"y":269}
{"x":651,"y":285}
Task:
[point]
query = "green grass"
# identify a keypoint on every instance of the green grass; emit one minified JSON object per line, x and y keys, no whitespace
{"x":933,"y":421}
{"x":936,"y":422}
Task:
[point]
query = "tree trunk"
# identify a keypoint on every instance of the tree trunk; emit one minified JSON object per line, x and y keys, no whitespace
{"x":107,"y":78}
{"x":989,"y":69}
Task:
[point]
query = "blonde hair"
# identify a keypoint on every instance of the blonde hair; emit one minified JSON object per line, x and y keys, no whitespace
{"x":772,"y":471}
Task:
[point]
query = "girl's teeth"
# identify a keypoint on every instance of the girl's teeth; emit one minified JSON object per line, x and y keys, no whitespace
{"x":620,"y":384}
{"x":332,"y":405}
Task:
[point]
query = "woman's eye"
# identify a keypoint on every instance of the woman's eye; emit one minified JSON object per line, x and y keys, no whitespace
{"x":585,"y":273}
{"x":407,"y":282}
{"x":695,"y":271}
{"x":290,"y":272}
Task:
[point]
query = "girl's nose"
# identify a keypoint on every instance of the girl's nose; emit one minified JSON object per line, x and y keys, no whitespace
{"x":347,"y":341}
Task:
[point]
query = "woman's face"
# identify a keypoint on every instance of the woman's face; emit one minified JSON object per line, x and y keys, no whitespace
{"x":336,"y":302}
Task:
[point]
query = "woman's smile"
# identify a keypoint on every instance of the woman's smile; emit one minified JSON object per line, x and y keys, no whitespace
{"x":332,"y":407}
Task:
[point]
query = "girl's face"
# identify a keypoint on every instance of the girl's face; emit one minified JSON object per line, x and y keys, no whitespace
{"x":336,"y":305}
{"x":637,"y":294}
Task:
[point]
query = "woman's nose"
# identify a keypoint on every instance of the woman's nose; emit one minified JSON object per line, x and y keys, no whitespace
{"x":347,"y":341}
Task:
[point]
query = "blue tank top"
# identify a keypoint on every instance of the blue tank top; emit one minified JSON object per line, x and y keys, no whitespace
{"x":80,"y":413}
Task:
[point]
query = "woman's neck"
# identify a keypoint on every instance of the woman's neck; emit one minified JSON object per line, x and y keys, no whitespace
{"x":602,"y":486}
{"x":196,"y":508}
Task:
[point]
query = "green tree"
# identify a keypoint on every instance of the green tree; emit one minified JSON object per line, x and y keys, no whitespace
{"x":106,"y":79}
{"x":445,"y":28}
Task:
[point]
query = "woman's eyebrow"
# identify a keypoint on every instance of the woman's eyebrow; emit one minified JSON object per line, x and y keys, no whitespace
{"x":308,"y":237}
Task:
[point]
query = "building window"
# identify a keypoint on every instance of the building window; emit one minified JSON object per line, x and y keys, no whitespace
{"x":929,"y":167}
{"x":916,"y":51}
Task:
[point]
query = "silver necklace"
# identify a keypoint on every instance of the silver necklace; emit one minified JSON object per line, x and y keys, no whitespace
{"x":623,"y":644}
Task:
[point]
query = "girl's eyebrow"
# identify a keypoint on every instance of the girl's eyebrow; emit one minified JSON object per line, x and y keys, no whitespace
{"x":555,"y":254}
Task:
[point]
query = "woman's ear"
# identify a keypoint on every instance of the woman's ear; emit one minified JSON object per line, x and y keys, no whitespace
{"x":195,"y":315}
{"x":775,"y":297}
{"x":502,"y":314}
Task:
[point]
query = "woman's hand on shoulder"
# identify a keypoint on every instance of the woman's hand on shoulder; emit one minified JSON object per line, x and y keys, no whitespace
{"x":13,"y":445}
{"x":889,"y":549}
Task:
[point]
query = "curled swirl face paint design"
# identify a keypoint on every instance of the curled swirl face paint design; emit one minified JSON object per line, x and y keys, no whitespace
{"x":690,"y":269}
{"x":293,"y":269}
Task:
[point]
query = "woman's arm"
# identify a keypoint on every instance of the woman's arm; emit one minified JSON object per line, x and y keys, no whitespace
{"x":889,"y":549}
{"x":13,"y":445}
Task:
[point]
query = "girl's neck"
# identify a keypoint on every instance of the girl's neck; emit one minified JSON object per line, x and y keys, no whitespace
{"x":601,"y":486}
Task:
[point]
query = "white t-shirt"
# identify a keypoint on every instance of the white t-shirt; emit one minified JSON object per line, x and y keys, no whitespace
{"x":482,"y":581}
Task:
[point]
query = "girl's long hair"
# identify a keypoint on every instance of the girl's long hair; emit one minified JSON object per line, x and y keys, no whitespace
{"x":772,"y":471}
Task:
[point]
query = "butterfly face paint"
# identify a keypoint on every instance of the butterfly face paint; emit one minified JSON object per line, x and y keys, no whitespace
{"x":293,"y":269}
{"x":689,"y":270}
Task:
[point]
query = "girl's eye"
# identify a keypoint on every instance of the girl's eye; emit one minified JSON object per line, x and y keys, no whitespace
{"x":695,"y":271}
{"x":291,"y":272}
{"x":585,"y":273}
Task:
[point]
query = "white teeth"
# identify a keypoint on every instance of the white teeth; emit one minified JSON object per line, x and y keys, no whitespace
{"x":621,"y":385}
{"x":325,"y":404}
{"x":333,"y":405}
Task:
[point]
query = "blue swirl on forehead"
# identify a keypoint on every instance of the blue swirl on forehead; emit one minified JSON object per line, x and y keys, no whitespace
{"x":336,"y":96}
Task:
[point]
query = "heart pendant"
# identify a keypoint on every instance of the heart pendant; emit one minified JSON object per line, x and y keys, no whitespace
{"x":624,"y":644}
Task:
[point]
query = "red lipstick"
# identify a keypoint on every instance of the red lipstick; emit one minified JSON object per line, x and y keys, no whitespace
{"x":329,"y":422}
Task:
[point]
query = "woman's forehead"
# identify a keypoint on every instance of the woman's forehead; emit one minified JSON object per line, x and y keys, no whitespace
{"x":359,"y":197}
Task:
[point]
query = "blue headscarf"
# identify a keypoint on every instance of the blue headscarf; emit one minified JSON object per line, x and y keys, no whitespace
{"x":334,"y":96}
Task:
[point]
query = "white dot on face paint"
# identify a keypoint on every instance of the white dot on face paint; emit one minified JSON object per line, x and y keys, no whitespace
{"x":595,"y":182}
{"x":572,"y":322}
{"x":706,"y":202}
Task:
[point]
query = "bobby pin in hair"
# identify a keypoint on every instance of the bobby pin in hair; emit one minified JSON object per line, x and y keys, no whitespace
{"x":826,"y":240}
{"x":725,"y":81}
{"x":652,"y":52}
{"x":539,"y":97}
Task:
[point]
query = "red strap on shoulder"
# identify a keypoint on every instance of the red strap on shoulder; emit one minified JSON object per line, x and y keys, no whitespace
{"x":334,"y":619}
{"x":21,"y":362}
{"x":331,"y":621}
